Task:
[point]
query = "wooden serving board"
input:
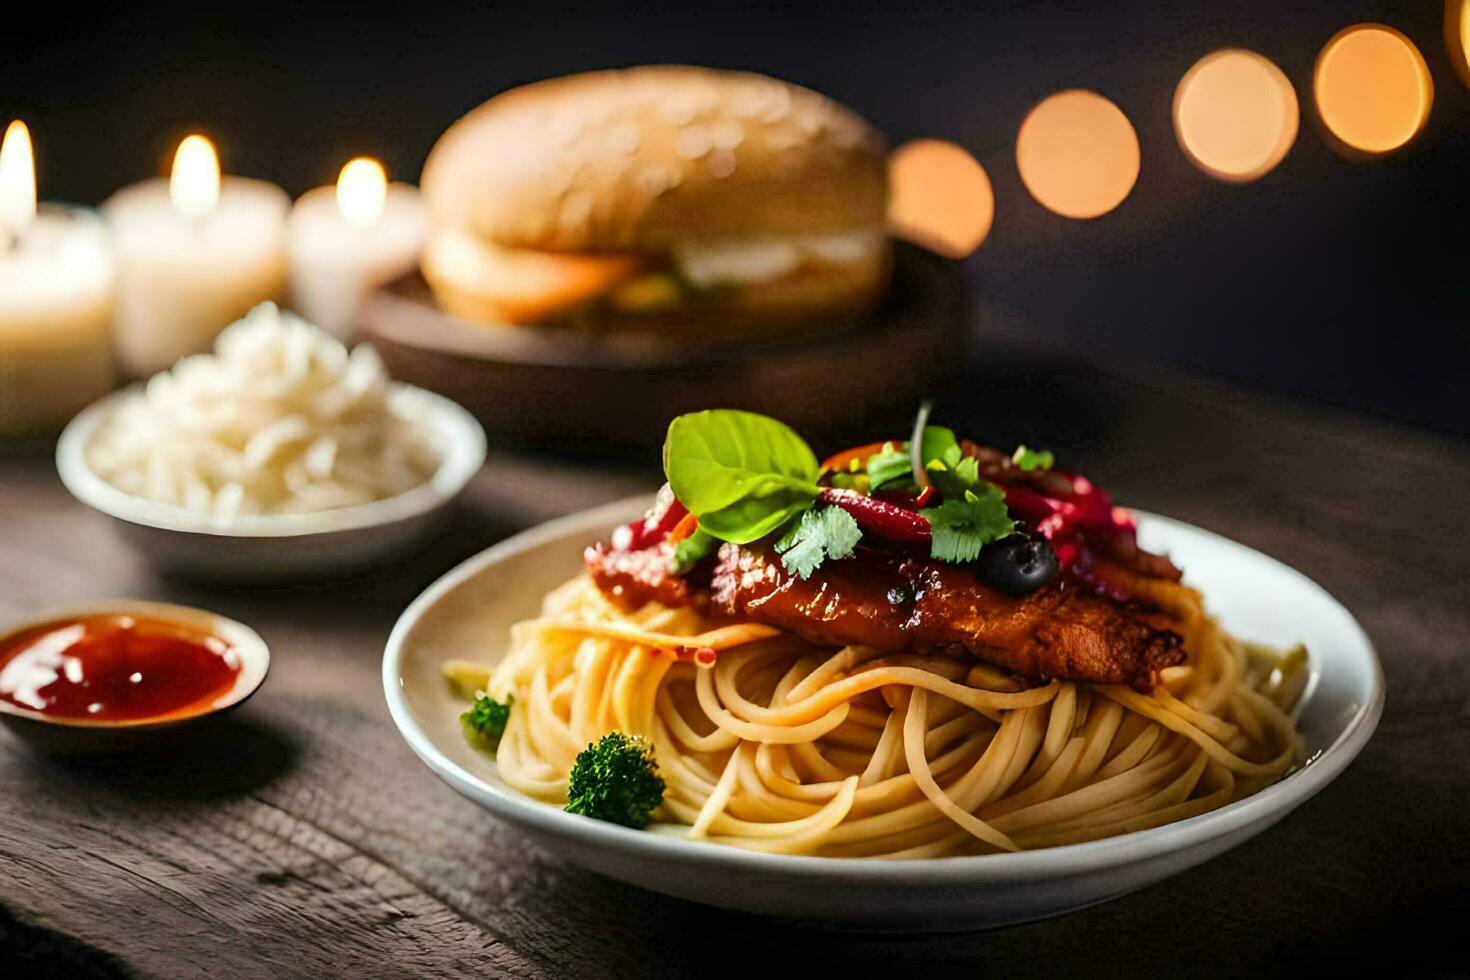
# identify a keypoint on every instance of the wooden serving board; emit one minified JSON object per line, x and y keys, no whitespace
{"x":559,"y":388}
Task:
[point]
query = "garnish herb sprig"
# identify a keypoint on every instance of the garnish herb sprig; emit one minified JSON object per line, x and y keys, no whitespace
{"x":742,"y":474}
{"x":1032,"y":459}
{"x":821,"y":533}
{"x":745,"y":476}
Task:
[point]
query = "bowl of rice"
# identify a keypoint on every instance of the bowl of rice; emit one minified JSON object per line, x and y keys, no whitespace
{"x":282,"y":454}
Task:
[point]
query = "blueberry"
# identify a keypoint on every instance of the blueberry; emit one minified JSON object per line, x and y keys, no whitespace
{"x":1018,"y":564}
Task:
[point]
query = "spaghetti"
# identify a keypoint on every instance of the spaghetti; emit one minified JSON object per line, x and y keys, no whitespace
{"x":771,"y":743}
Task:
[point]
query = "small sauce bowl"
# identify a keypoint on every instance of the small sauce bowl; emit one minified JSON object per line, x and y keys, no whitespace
{"x":148,"y":669}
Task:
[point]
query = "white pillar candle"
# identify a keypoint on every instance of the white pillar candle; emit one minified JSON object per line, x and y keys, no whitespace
{"x":345,"y":241}
{"x":56,"y":287}
{"x":194,"y":253}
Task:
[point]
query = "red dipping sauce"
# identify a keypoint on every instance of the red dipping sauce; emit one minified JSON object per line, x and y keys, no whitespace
{"x":115,"y":667}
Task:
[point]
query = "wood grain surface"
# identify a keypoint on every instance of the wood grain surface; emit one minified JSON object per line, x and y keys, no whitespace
{"x":301,"y":837}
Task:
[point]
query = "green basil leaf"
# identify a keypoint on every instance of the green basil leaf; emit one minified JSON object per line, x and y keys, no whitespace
{"x":889,"y":465}
{"x":742,"y":474}
{"x":752,"y":518}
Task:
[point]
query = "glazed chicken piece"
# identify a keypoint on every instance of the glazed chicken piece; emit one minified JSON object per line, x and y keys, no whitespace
{"x":900,"y":604}
{"x":633,"y":577}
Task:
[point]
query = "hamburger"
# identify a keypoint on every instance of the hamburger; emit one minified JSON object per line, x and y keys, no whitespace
{"x":665,"y":198}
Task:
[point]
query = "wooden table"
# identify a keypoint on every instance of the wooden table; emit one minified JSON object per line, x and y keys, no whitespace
{"x":305,"y":839}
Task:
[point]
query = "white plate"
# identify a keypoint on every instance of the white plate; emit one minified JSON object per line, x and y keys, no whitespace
{"x":269,"y":546}
{"x":467,"y":613}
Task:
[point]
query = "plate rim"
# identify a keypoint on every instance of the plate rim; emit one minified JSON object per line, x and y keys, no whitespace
{"x":1259,"y":810}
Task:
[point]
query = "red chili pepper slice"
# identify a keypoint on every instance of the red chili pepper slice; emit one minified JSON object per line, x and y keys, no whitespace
{"x":888,"y":521}
{"x":666,"y":514}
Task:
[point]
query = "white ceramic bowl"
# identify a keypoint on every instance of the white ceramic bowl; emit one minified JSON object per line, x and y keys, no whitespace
{"x":290,"y":546}
{"x":466,"y":615}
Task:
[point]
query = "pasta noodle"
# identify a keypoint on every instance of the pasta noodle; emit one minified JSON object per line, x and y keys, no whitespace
{"x":280,"y":419}
{"x":769,"y":743}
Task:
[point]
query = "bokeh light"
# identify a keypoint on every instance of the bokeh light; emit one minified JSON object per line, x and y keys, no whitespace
{"x":1373,"y":89}
{"x":1457,"y":36}
{"x":1077,"y":154}
{"x":939,"y":197}
{"x":1235,"y":114}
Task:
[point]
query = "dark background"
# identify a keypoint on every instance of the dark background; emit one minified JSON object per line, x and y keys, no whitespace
{"x":1337,"y":280}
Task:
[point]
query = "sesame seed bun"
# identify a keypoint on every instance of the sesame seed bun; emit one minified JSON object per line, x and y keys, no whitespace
{"x":642,"y":159}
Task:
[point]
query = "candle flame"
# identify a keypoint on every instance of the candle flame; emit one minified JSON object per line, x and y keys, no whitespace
{"x":362,"y":189}
{"x":17,"y":179}
{"x":194,"y":183}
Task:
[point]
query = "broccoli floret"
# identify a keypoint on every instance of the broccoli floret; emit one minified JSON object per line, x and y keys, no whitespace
{"x":485,"y":722}
{"x":616,"y":779}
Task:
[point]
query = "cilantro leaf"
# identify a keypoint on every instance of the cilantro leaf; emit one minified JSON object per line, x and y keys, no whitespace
{"x":1032,"y":459}
{"x":826,"y":532}
{"x":888,"y":465}
{"x":962,"y":526}
{"x":801,"y":548}
{"x":953,"y":478}
{"x":841,"y":530}
{"x":968,"y":470}
{"x":687,"y":553}
{"x":945,"y":463}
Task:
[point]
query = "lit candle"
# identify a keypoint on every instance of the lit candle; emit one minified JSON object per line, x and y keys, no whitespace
{"x":56,"y":288}
{"x":344,"y":242}
{"x":195,"y":253}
